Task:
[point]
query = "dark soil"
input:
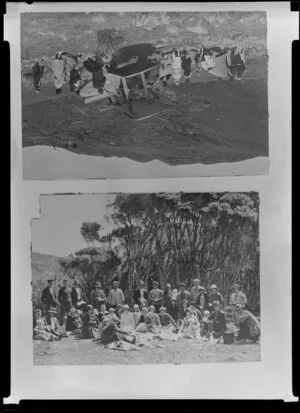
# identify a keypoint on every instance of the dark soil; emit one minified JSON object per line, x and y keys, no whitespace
{"x":207,"y":121}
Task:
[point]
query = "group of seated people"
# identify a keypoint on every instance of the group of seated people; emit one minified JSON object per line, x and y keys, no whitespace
{"x":193,"y":314}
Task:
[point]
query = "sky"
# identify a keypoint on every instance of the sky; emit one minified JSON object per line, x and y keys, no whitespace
{"x":57,"y":231}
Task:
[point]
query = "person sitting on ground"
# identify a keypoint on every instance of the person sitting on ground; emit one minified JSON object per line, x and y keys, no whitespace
{"x":110,"y":333}
{"x":238,"y":297}
{"x":141,"y":326}
{"x":97,"y":296}
{"x":190,"y":326}
{"x":206,"y":325}
{"x":195,"y":311}
{"x":89,"y":324}
{"x":249,"y":326}
{"x":53,"y":322}
{"x":72,"y":322}
{"x":183,"y":297}
{"x":156,"y":296}
{"x":152,"y":320}
{"x":173,"y":310}
{"x":136,"y":315}
{"x":103,"y":312}
{"x":214,"y":295}
{"x":37,"y":72}
{"x":113,"y":316}
{"x":41,"y":330}
{"x":218,"y":320}
{"x":166,"y":320}
{"x":127,"y":320}
{"x":116,"y":295}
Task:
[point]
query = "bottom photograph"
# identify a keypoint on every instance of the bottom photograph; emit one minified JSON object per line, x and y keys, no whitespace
{"x":156,"y":278}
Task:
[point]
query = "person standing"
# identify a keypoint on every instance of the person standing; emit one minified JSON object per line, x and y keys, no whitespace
{"x":77,"y":295}
{"x":58,"y":66}
{"x":97,"y":296}
{"x":195,"y":290}
{"x":65,"y":300}
{"x":156,"y":296}
{"x":167,"y":297}
{"x":183,"y":297}
{"x":176,"y":67}
{"x":116,"y":295}
{"x":237,"y":297}
{"x":48,"y":297}
{"x":140,"y":295}
{"x":202,"y":301}
{"x":186,"y":63}
{"x":173,"y":310}
{"x":37,"y":72}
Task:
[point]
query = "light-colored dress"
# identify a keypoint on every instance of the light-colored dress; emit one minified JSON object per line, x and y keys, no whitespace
{"x":176,"y":68}
{"x":190,"y":327}
{"x":127,"y":322}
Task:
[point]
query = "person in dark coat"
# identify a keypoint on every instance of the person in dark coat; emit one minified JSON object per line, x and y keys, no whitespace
{"x":37,"y":72}
{"x":186,"y":63}
{"x":72,"y":322}
{"x":218,"y":320}
{"x":202,"y":301}
{"x":140,"y":295}
{"x":167,"y":297}
{"x":65,"y":300}
{"x":74,"y":81}
{"x":156,"y":296}
{"x":89,"y":324}
{"x":173,"y":310}
{"x":98,"y":296}
{"x":77,"y":295}
{"x":48,"y":297}
{"x":183,"y":297}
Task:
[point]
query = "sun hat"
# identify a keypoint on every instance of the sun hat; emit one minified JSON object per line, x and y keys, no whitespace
{"x":184,"y":284}
{"x":162,"y":309}
{"x":112,"y":310}
{"x":126,"y":307}
{"x":97,"y":283}
{"x":216,"y":303}
{"x":155,"y":283}
{"x":213,"y":286}
{"x":52,"y":310}
{"x":206,"y":312}
{"x":89,"y":307}
{"x":115,"y":282}
{"x":196,"y":279}
{"x":73,"y":310}
{"x":168,"y":286}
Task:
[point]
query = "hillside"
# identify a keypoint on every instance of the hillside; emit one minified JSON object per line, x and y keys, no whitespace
{"x":43,"y":267}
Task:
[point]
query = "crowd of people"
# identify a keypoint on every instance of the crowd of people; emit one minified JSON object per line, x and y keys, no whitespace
{"x":175,"y":64}
{"x":194,"y":313}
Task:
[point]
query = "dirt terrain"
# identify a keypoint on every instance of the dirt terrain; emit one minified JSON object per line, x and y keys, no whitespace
{"x":207,"y":121}
{"x":70,"y":351}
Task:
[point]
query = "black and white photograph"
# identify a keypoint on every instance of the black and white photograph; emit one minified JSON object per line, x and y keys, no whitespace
{"x":144,"y":94}
{"x":155,"y":278}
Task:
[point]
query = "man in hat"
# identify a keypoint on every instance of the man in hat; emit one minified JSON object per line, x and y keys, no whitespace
{"x":156,"y":296}
{"x":238,"y":297}
{"x":65,"y":300}
{"x":183,"y":297}
{"x":218,"y":320}
{"x":195,"y":290}
{"x":140,"y":295}
{"x":97,"y":296}
{"x":214,"y":295}
{"x":48,"y":296}
{"x":249,"y":326}
{"x":77,"y":295}
{"x":116,"y":295}
{"x":52,"y":321}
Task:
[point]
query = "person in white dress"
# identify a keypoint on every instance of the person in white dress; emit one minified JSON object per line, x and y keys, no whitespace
{"x":127,"y":320}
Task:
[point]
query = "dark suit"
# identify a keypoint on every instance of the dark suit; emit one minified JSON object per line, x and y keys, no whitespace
{"x":64,"y":298}
{"x":219,"y":323}
{"x":137,"y":295}
{"x":75,"y":298}
{"x":174,"y":311}
{"x":48,"y":298}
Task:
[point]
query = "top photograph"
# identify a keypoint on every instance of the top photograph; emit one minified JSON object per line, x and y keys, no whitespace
{"x":144,"y":94}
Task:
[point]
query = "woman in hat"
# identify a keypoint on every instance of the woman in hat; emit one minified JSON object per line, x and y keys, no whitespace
{"x":113,"y":316}
{"x":41,"y":330}
{"x":167,"y":322}
{"x":52,"y":321}
{"x":214,"y":295}
{"x":237,"y":297}
{"x":89,"y":324}
{"x":249,"y":326}
{"x":190,"y":326}
{"x":127,"y":320}
{"x":136,"y":315}
{"x":202,"y":301}
{"x":156,"y":296}
{"x":183,"y":297}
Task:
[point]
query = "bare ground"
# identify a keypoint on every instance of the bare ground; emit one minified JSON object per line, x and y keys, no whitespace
{"x":70,"y":351}
{"x":232,"y":126}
